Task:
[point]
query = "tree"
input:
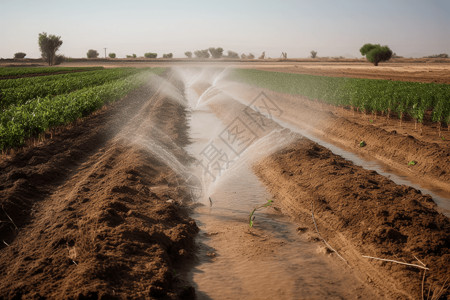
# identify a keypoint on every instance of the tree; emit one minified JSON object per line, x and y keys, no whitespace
{"x":20,"y":55}
{"x":188,"y":54}
{"x":376,"y":53}
{"x":92,"y":53}
{"x":202,"y":53}
{"x":216,"y":52}
{"x":232,"y":54}
{"x":168,"y":55}
{"x":112,"y":55}
{"x":49,"y":44}
{"x":313,"y":54}
{"x":263,"y":55}
{"x":150,"y":55}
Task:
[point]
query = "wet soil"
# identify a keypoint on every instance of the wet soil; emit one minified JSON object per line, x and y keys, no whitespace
{"x":360,"y":212}
{"x":93,"y":213}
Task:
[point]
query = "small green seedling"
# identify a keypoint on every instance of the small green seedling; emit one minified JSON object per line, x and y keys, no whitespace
{"x":362,"y":144}
{"x":412,"y":163}
{"x":251,"y":217}
{"x":443,"y":138}
{"x":371,"y":121}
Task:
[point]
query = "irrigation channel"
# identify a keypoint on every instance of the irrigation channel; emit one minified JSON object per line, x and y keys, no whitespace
{"x":270,"y":260}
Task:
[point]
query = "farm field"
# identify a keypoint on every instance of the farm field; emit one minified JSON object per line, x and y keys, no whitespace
{"x":138,"y":182}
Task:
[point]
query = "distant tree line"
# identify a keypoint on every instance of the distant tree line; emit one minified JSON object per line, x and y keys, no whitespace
{"x":442,"y":55}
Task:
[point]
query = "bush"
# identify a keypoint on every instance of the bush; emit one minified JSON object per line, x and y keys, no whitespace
{"x":59,"y":59}
{"x":442,"y":55}
{"x":188,"y":54}
{"x":216,"y":52}
{"x":92,"y":53}
{"x":112,"y":55}
{"x":202,"y":53}
{"x":313,"y":54}
{"x":376,"y":53}
{"x":232,"y":54}
{"x":168,"y":55}
{"x":150,"y":55}
{"x":250,"y":56}
{"x":20,"y":55}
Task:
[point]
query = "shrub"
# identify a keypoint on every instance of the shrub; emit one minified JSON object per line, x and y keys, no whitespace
{"x":202,"y":53}
{"x":216,"y":52}
{"x":313,"y":54}
{"x":376,"y":53}
{"x":442,"y":55}
{"x":59,"y":59}
{"x":112,"y":55}
{"x":92,"y":53}
{"x":232,"y":54}
{"x":188,"y":54}
{"x":19,"y":55}
{"x":250,"y":56}
{"x":149,"y":55}
{"x":168,"y":55}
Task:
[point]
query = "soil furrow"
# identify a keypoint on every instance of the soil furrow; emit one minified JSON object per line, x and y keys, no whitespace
{"x":115,"y":227}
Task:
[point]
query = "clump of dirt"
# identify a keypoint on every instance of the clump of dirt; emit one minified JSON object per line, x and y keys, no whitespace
{"x":104,"y":218}
{"x":360,"y":212}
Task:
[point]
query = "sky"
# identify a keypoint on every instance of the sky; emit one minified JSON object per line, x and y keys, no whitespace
{"x":411,"y":28}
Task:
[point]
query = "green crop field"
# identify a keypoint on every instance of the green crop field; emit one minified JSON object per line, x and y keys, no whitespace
{"x":25,"y":71}
{"x":367,"y":95}
{"x":40,"y":103}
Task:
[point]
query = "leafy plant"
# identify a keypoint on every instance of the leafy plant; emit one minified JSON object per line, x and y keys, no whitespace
{"x":92,"y":53}
{"x":112,"y":55}
{"x":368,"y":95}
{"x":376,"y":53}
{"x":412,"y":163}
{"x":19,"y":55}
{"x":362,"y":144}
{"x":202,"y":53}
{"x":251,"y":216}
{"x":216,"y":52}
{"x":150,"y":55}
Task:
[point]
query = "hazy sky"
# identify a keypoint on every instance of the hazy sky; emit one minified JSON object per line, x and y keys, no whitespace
{"x":331,"y":27}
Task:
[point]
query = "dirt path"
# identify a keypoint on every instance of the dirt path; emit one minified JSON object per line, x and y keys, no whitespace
{"x":98,"y":213}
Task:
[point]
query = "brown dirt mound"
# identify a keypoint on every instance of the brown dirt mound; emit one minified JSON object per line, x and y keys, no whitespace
{"x":98,"y":215}
{"x":360,"y":212}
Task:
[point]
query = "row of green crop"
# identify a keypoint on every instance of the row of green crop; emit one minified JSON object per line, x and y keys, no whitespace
{"x":18,"y":71}
{"x":60,"y":85}
{"x":366,"y":95}
{"x":33,"y":80}
{"x":19,"y":122}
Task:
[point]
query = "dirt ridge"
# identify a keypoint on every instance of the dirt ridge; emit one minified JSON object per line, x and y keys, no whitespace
{"x":360,"y":212}
{"x":115,"y":227}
